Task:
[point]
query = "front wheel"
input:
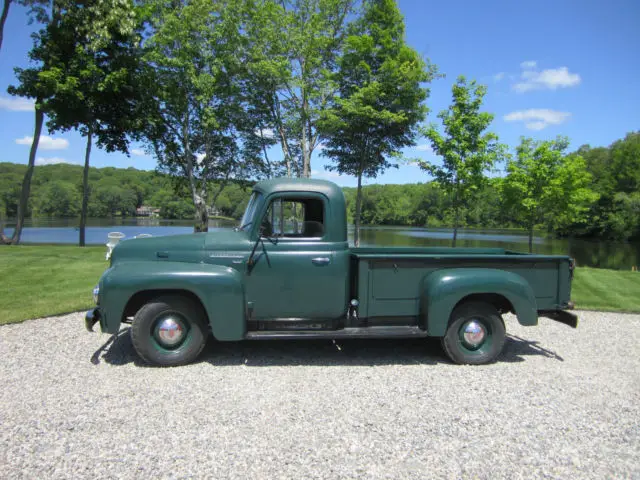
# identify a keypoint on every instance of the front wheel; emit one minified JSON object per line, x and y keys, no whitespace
{"x":475,"y":334}
{"x":169,"y":331}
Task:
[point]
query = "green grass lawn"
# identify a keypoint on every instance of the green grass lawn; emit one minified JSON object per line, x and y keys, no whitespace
{"x":609,"y":290}
{"x":39,"y":281}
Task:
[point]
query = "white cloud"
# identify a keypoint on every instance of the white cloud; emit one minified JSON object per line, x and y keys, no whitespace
{"x":200,"y":157}
{"x":538,"y":118}
{"x":50,"y":160}
{"x":550,"y":79}
{"x":138,"y":152}
{"x":424,"y":148}
{"x":45,"y":143}
{"x":498,"y":76}
{"x":528,"y":64}
{"x":16,"y":104}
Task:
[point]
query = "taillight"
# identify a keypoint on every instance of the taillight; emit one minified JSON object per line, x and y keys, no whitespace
{"x":572,"y":267}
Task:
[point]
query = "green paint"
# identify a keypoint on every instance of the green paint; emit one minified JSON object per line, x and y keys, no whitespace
{"x":311,"y":278}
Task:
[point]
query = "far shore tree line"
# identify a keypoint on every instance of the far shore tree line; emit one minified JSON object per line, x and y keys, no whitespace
{"x":615,"y":215}
{"x":210,"y":87}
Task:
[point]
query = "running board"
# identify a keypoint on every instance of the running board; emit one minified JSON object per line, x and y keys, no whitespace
{"x":363,"y":332}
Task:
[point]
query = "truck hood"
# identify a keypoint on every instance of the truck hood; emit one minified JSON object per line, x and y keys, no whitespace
{"x":188,"y":248}
{"x":177,"y":248}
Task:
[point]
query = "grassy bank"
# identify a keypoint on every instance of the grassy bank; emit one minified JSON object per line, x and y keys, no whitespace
{"x":39,"y":281}
{"x":609,"y":290}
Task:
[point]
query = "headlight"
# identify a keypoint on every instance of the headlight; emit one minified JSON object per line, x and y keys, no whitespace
{"x":96,"y":294}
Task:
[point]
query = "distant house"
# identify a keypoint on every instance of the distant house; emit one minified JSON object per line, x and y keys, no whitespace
{"x":147,"y":211}
{"x":213,"y":211}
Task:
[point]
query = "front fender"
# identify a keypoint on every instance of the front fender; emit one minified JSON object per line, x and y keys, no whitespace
{"x":219,"y":289}
{"x":443,"y":289}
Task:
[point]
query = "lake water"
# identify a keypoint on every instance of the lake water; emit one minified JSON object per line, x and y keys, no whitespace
{"x":615,"y":255}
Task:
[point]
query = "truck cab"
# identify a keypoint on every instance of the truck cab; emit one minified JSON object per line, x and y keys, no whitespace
{"x":287,"y":271}
{"x":299,"y":269}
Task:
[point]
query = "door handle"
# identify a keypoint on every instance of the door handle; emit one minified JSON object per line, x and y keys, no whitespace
{"x":321,"y":261}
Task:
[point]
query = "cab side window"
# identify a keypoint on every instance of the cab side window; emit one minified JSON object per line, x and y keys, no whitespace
{"x":294,"y":218}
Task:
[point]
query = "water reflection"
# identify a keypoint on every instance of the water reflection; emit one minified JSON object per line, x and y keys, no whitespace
{"x":592,"y":253}
{"x":616,"y":255}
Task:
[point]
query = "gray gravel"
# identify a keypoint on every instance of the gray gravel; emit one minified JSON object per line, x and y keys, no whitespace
{"x":561,"y":403}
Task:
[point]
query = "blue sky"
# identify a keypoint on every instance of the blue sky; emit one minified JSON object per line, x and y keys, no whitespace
{"x":556,"y":67}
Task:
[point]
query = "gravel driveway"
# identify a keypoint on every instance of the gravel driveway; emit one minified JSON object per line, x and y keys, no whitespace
{"x":560,"y":403}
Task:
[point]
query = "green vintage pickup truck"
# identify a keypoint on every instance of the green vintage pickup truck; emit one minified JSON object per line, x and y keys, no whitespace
{"x":287,"y":271}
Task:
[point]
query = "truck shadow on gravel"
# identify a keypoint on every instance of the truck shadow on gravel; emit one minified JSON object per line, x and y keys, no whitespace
{"x":118,"y":350}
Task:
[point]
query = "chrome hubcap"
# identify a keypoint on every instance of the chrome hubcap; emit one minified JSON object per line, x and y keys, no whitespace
{"x":474,"y":334}
{"x":170,"y":332}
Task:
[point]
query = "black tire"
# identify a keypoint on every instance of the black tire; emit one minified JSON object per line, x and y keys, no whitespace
{"x":181,"y":310}
{"x":488,"y":350}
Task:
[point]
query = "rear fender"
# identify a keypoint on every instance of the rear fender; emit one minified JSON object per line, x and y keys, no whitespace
{"x":443,"y":289}
{"x":219,"y":289}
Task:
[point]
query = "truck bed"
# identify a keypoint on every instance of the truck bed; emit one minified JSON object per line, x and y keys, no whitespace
{"x":388,"y":281}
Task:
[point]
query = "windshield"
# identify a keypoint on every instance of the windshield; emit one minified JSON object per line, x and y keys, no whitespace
{"x":249,"y":213}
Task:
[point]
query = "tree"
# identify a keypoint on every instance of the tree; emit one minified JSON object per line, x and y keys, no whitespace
{"x":294,"y":48}
{"x":33,"y":87}
{"x":56,"y":199}
{"x":544,"y":183}
{"x":615,"y":178}
{"x":94,"y":62}
{"x":467,"y":152}
{"x":268,"y":71}
{"x":77,"y":44}
{"x":201,"y":131}
{"x":381,"y":97}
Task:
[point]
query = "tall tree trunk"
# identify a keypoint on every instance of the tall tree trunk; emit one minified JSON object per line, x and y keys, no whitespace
{"x":3,"y":19}
{"x":85,"y":187}
{"x":201,"y":220}
{"x":284,"y":143}
{"x":3,"y":238}
{"x":531,"y":238}
{"x":202,"y":217}
{"x":285,"y":150}
{"x":356,"y":233}
{"x":306,"y":154}
{"x":456,"y":213}
{"x":26,"y":182}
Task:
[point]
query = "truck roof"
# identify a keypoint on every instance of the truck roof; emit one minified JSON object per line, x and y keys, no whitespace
{"x":285,"y":184}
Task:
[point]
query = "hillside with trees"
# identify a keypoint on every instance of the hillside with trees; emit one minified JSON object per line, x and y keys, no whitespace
{"x":613,"y":195}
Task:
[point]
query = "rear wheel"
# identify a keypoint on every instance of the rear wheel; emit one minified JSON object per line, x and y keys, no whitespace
{"x":475,"y":334}
{"x":169,"y":330}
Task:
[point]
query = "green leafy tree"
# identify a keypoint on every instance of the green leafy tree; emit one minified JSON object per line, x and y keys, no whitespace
{"x":543,"y":183}
{"x":200,"y":132}
{"x":294,"y":48}
{"x":381,"y":97}
{"x":615,"y":178}
{"x":73,"y":34}
{"x":94,"y":63}
{"x":467,"y":151}
{"x":56,"y":199}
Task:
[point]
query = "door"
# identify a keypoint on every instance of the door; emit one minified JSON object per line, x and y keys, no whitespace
{"x":296,"y":273}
